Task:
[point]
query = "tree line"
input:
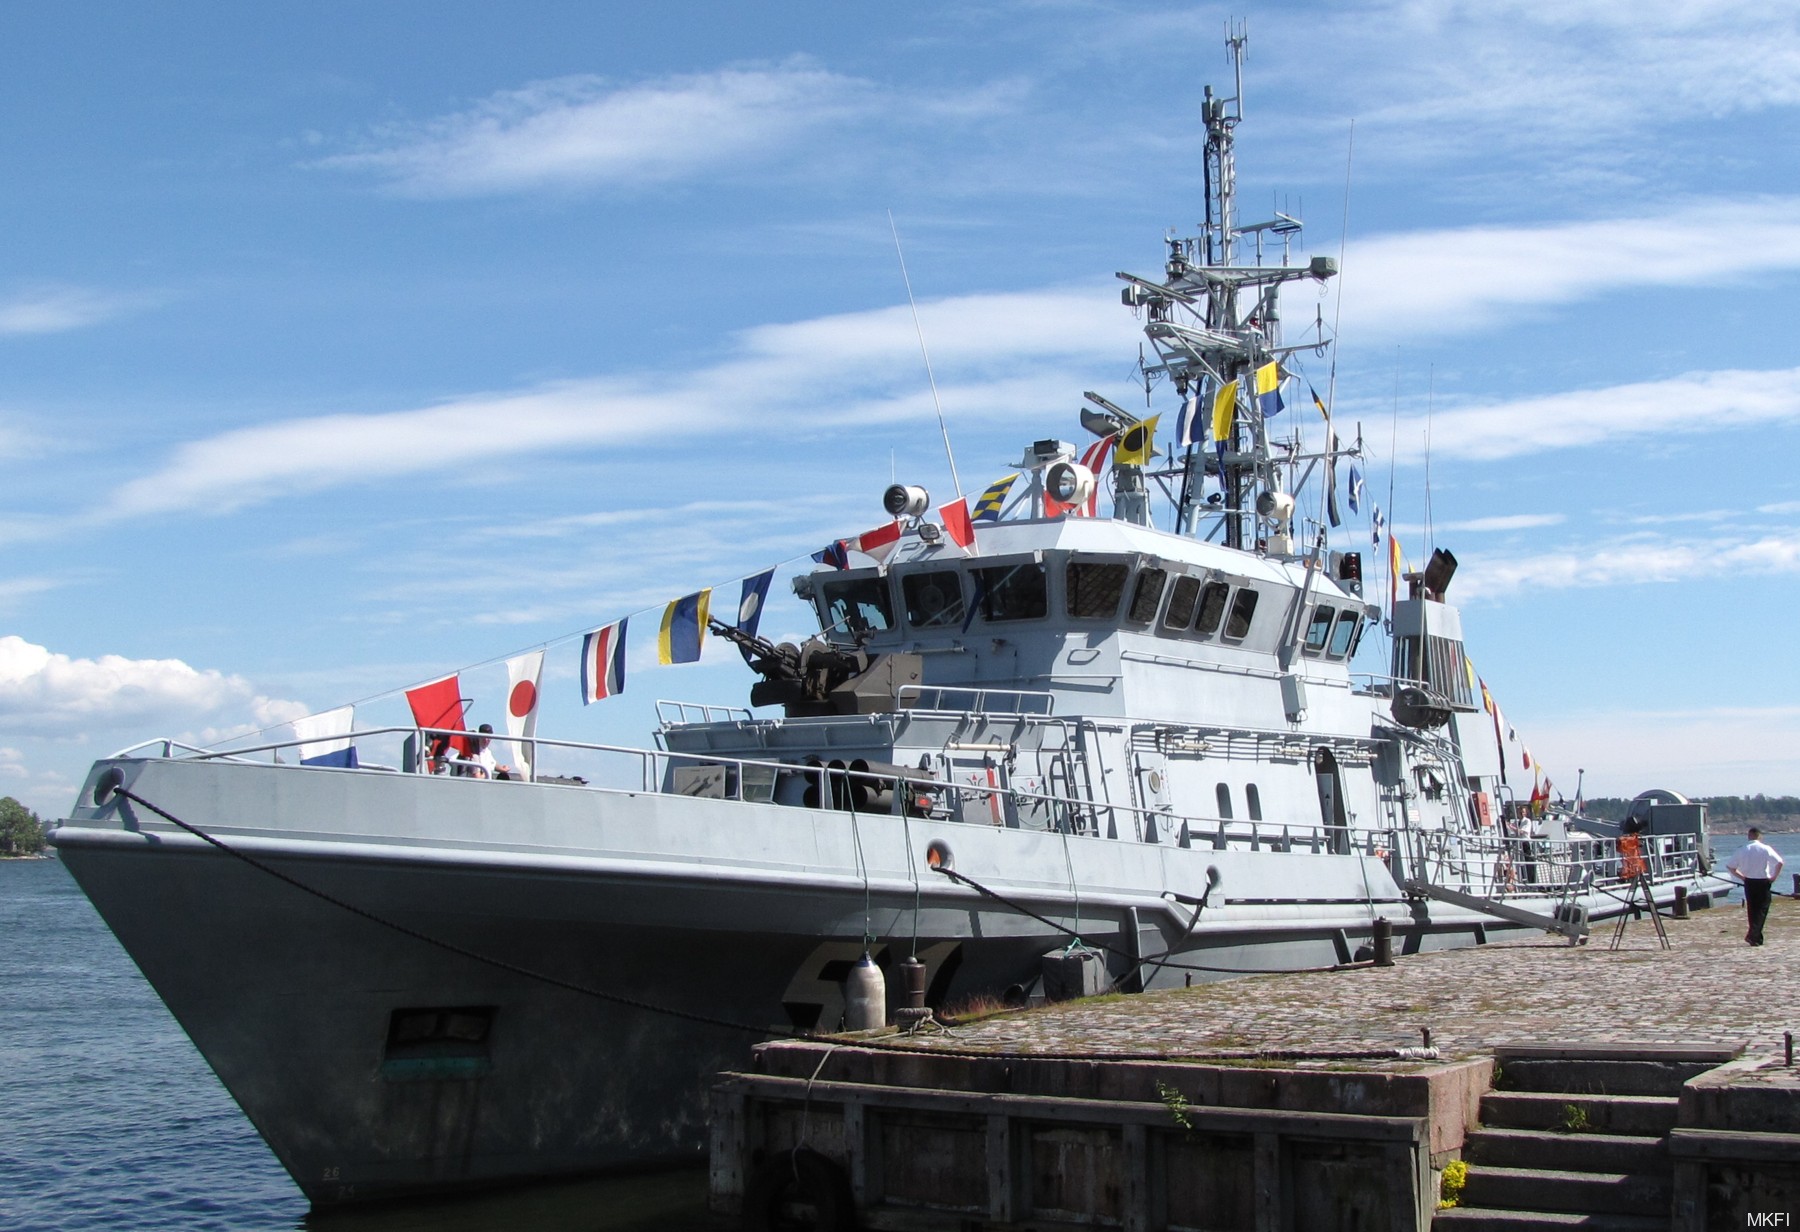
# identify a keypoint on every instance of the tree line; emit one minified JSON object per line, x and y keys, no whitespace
{"x":1718,"y":808}
{"x":21,"y":830}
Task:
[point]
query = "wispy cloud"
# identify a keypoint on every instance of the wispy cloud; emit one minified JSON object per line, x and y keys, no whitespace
{"x":1006,"y":355}
{"x":1472,"y":278}
{"x":16,"y":589}
{"x":1504,"y":522}
{"x":583,"y":131}
{"x":45,"y":692}
{"x":1542,"y":76}
{"x":1629,"y":561}
{"x":54,"y":309}
{"x":1697,"y":402}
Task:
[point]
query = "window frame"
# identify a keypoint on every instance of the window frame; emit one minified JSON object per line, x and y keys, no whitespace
{"x":1249,"y":616}
{"x":959,"y":604}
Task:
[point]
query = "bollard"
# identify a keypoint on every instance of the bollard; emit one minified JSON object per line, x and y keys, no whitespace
{"x":1425,"y":1035}
{"x":1680,"y":910}
{"x":1384,"y":942}
{"x":1788,"y":1039}
{"x":1797,"y":885}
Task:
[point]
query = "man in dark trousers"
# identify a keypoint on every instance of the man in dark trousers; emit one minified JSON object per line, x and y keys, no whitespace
{"x":1757,"y":865}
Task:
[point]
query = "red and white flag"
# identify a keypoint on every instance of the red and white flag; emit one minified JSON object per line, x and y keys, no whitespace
{"x":524,"y":679}
{"x":880,"y":542}
{"x":1095,"y":460}
{"x":957,"y":524}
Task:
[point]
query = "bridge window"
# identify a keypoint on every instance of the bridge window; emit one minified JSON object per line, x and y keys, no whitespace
{"x":1253,"y":802}
{"x":933,"y":599}
{"x":1013,"y":592}
{"x":1343,"y":635}
{"x":1318,"y":630}
{"x":1212,"y":608}
{"x":1095,"y":589}
{"x":1148,"y":594}
{"x":1224,"y":796}
{"x":1184,"y":596}
{"x":856,"y":605}
{"x":1243,"y":610}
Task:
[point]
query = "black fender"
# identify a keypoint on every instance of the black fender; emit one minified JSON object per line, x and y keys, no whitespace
{"x":798,"y":1189}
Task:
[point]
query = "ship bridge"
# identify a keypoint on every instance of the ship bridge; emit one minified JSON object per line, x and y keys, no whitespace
{"x":1110,"y":618}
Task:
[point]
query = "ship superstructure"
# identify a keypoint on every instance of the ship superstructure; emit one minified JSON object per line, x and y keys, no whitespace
{"x":1137,"y":736}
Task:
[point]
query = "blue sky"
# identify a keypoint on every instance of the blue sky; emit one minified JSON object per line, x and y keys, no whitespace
{"x":342,"y":346}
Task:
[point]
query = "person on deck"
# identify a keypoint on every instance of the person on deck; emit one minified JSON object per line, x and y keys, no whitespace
{"x":1757,"y":865}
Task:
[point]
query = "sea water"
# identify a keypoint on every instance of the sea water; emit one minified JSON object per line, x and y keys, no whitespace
{"x":110,"y":1119}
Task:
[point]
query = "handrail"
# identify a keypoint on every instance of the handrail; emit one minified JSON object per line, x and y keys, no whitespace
{"x":1478,"y":860}
{"x":979,"y":696}
{"x":707,"y":711}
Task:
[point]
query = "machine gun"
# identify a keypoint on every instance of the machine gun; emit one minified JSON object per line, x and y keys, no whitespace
{"x":819,"y":678}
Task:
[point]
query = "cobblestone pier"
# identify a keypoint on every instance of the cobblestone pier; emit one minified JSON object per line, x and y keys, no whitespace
{"x":1709,"y":988}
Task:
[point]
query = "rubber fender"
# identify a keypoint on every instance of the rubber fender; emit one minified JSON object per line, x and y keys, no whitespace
{"x":799,"y":1189}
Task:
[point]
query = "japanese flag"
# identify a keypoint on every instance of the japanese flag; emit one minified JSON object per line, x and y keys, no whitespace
{"x":523,"y":675}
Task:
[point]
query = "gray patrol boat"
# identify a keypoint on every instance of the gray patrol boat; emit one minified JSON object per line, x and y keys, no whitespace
{"x":1136,"y":753}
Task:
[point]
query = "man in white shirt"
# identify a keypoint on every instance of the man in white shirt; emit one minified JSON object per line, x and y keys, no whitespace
{"x":1757,"y":865}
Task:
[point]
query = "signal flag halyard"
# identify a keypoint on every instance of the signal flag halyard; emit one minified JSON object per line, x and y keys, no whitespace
{"x":750,"y":605}
{"x":990,"y":503}
{"x":683,"y":629}
{"x":1268,"y":389}
{"x":1137,"y":445}
{"x":880,"y":542}
{"x":1224,"y":415}
{"x":438,"y":704}
{"x":524,"y":676}
{"x":1189,"y":428}
{"x":957,"y":523}
{"x":603,"y":663}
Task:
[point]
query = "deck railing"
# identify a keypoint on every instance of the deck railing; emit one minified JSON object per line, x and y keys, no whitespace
{"x":1492,"y":865}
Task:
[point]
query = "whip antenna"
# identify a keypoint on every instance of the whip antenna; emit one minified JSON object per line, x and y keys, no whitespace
{"x":930,"y":379}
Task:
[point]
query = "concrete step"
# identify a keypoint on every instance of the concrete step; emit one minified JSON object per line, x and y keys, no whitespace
{"x":1606,"y":1114}
{"x":1486,"y":1219}
{"x":1547,"y":1189}
{"x":1591,"y":1077}
{"x":1565,"y":1152}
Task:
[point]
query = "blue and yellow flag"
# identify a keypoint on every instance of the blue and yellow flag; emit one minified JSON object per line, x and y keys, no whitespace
{"x":1224,"y":411}
{"x":989,"y":504}
{"x":1268,"y":389}
{"x":683,"y":629}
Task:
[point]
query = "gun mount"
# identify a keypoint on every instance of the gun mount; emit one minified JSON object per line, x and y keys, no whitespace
{"x":816,"y":678}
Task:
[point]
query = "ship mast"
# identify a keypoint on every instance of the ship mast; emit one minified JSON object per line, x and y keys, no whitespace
{"x":1214,"y":320}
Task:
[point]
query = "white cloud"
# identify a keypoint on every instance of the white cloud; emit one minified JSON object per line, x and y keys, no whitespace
{"x":58,"y":309}
{"x":993,"y":354}
{"x":1472,"y":278}
{"x":43,"y":692}
{"x":1696,"y":402}
{"x":1630,"y":561}
{"x":1780,"y":507}
{"x":581,"y":131}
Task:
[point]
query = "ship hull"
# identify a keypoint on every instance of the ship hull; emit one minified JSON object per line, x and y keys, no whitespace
{"x":609,"y":982}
